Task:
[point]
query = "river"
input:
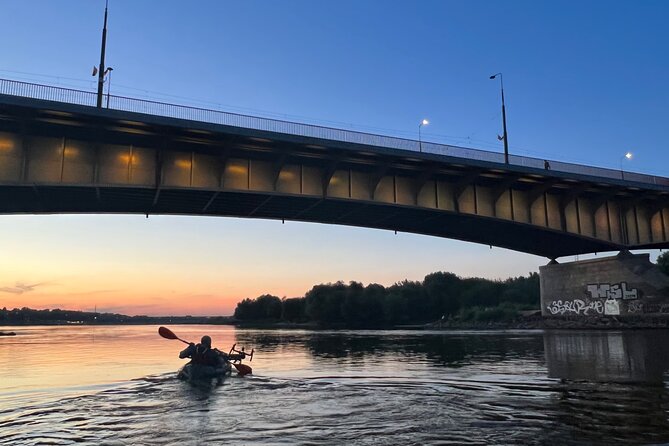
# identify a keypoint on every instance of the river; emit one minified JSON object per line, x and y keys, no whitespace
{"x":116,"y":385}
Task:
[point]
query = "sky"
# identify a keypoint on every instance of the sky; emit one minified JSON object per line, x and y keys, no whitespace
{"x":584,"y":82}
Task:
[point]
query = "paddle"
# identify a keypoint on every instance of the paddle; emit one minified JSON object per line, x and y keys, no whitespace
{"x":166,"y":333}
{"x":243,"y":369}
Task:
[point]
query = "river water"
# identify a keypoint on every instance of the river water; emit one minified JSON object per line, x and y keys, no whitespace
{"x":116,"y":385}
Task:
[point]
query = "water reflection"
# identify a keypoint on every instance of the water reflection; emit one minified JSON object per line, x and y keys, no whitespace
{"x":594,"y":356}
{"x":611,"y":384}
{"x":344,"y":387}
{"x":451,"y":349}
{"x":607,"y":388}
{"x":622,"y":357}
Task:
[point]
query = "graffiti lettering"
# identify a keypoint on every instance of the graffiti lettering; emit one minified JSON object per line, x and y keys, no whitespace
{"x":649,"y":308}
{"x":635,"y":307}
{"x":611,"y":307}
{"x":612,"y":291}
{"x":576,"y":306}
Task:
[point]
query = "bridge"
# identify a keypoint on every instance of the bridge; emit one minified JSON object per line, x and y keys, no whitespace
{"x":61,"y":154}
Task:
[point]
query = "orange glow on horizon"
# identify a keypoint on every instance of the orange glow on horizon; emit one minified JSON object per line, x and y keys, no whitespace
{"x":146,"y":294}
{"x":181,"y":305}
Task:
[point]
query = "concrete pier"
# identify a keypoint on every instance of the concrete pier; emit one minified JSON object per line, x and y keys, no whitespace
{"x":623,"y":285}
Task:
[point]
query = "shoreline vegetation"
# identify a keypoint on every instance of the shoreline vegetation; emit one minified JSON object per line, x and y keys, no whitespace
{"x":442,"y":301}
{"x":522,"y":322}
{"x":29,"y":316}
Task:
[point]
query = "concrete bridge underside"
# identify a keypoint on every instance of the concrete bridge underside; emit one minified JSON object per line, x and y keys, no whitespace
{"x":63,"y":158}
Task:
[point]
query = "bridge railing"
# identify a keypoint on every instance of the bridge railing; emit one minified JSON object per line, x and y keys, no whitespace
{"x":88,"y":98}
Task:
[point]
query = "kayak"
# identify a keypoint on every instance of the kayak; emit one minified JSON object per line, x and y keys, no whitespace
{"x":192,"y":372}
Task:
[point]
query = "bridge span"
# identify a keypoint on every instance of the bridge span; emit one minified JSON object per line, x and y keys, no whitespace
{"x":60,"y":154}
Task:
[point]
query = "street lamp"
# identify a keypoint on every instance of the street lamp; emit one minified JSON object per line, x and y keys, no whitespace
{"x":506,"y":139}
{"x":420,"y":143}
{"x":628,"y":156}
{"x":101,"y":72}
{"x":108,"y":71}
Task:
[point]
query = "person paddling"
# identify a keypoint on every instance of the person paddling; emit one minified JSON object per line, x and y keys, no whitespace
{"x":202,"y":353}
{"x":205,"y":351}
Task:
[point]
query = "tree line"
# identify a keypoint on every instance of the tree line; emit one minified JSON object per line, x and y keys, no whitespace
{"x":29,"y":316}
{"x":439,"y":295}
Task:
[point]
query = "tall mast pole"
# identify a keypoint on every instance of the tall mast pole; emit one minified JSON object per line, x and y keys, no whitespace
{"x":506,"y":136}
{"x":101,"y":72}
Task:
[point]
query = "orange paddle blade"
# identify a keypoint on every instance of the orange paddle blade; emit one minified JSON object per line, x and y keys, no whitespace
{"x":166,"y":333}
{"x":243,"y":369}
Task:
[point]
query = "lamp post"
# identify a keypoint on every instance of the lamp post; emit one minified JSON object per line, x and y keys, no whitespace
{"x":628,"y":156}
{"x":101,"y":70}
{"x":506,"y":138}
{"x":420,"y":142}
{"x":109,"y":70}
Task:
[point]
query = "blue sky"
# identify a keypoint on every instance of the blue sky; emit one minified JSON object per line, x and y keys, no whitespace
{"x":584,"y":82}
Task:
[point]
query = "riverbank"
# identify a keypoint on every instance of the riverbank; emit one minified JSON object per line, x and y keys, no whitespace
{"x":530,"y":322}
{"x":535,"y":322}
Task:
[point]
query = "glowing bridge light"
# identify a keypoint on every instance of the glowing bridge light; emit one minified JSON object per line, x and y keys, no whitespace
{"x":184,"y":164}
{"x":6,"y":145}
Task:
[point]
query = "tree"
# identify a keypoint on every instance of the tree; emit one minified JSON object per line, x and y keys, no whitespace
{"x":373,"y":298}
{"x":260,"y":308}
{"x":395,"y":307}
{"x":269,"y":306}
{"x":481,"y":292}
{"x":523,"y":291}
{"x":293,"y":309}
{"x":323,"y":302}
{"x":352,"y":307}
{"x":443,"y":290}
{"x":663,"y":262}
{"x":245,"y":310}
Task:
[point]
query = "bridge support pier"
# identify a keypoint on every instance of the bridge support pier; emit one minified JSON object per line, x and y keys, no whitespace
{"x":622,"y":285}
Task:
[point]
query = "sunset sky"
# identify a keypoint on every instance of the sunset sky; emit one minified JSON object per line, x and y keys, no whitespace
{"x":584,"y":82}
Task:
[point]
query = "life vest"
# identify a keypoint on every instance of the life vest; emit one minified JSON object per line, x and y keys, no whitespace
{"x":203,"y":355}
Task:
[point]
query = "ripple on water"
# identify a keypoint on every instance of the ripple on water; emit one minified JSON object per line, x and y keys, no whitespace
{"x":324,"y":411}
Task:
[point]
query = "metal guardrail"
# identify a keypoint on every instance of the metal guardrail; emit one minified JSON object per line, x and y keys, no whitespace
{"x":88,"y":98}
